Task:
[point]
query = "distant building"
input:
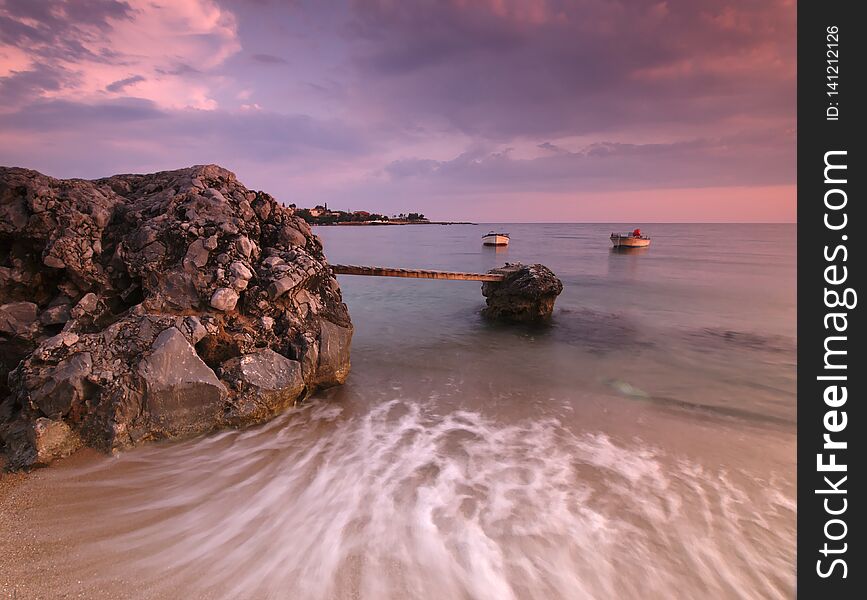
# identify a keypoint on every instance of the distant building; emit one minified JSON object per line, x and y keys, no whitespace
{"x":318,"y":210}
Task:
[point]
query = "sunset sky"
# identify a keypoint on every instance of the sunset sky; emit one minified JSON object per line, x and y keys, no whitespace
{"x":488,"y":110}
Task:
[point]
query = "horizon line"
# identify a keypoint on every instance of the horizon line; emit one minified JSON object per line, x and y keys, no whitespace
{"x":465,"y":222}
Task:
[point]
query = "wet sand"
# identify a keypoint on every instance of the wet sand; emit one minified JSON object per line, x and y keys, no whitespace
{"x":346,"y":499}
{"x":34,"y":566}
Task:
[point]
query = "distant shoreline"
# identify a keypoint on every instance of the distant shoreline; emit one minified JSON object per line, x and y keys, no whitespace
{"x":381,"y":223}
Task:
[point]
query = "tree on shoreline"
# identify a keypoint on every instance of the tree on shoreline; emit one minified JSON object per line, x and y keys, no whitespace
{"x":320,"y":215}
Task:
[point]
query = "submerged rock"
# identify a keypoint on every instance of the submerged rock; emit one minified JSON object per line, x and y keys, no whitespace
{"x":527,"y":293}
{"x":140,"y":307}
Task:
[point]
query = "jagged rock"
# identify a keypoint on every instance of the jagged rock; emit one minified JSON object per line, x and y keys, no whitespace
{"x":240,"y":270}
{"x":192,"y":328}
{"x":241,"y":275}
{"x":159,"y":282}
{"x":17,"y":318}
{"x":19,"y":333}
{"x":281,"y":286}
{"x":38,"y":443}
{"x":245,"y":246}
{"x":182,"y":394}
{"x":197,"y":255}
{"x":526,"y":294}
{"x":267,"y":384}
{"x":334,"y":342}
{"x":290,"y":235}
{"x":55,"y":315}
{"x":65,"y":385}
{"x":215,"y":194}
{"x":85,"y":306}
{"x":224,"y":299}
{"x":273,"y":261}
{"x":53,"y":439}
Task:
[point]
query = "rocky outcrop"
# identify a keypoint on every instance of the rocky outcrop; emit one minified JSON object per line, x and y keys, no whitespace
{"x":527,"y":293}
{"x":141,"y":307}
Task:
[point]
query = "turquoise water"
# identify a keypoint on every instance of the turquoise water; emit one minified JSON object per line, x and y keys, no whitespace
{"x":705,"y":316}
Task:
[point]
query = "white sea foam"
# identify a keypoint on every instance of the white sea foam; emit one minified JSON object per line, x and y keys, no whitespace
{"x":400,"y":502}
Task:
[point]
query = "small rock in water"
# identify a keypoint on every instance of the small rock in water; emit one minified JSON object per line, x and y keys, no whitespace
{"x":627,"y":389}
{"x":527,"y":293}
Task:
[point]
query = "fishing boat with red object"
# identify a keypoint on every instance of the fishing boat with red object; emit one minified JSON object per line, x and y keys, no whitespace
{"x":633,"y":239}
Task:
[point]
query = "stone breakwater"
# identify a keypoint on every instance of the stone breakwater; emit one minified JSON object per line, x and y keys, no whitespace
{"x":143,"y":307}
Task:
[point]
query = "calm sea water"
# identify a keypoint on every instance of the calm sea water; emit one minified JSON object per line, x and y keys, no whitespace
{"x":642,"y":445}
{"x":704,"y":317}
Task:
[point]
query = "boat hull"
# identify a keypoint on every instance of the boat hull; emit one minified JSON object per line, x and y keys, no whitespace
{"x":629,"y":242}
{"x":495,"y":240}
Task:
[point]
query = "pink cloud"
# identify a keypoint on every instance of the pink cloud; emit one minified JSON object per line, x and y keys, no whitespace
{"x":558,"y":109}
{"x":686,"y":205}
{"x":12,"y":59}
{"x":141,"y":46}
{"x":762,"y":60}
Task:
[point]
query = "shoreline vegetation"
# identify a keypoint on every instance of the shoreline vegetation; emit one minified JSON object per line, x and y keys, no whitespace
{"x":322,"y":215}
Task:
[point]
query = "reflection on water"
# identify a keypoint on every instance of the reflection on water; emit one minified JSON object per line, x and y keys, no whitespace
{"x":498,"y":250}
{"x":621,"y":250}
{"x":640,"y":446}
{"x":625,"y":261}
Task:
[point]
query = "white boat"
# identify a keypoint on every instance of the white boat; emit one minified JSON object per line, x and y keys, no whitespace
{"x":495,"y":239}
{"x":633,"y":239}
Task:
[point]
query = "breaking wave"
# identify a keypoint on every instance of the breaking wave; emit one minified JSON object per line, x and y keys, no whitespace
{"x":402,"y":502}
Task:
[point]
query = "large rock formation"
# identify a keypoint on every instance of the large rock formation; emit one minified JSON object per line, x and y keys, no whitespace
{"x":527,"y":293}
{"x":140,"y":307}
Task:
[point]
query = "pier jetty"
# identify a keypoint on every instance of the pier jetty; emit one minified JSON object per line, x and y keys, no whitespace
{"x":513,"y":292}
{"x":414,"y":273}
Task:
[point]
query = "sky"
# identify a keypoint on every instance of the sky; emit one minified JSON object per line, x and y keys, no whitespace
{"x":484,"y":110}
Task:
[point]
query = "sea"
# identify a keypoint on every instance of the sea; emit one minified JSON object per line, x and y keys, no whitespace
{"x":640,"y":445}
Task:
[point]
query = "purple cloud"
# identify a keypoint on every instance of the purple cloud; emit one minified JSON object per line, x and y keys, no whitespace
{"x":577,"y":67}
{"x":385,"y":100}
{"x":121,"y":84}
{"x":268,"y":59}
